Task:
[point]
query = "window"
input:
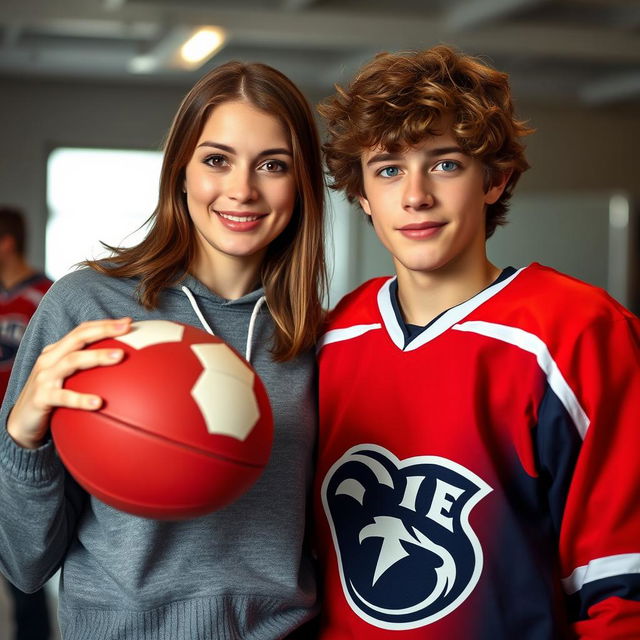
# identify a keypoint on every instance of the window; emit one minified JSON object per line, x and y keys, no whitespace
{"x":96,"y":195}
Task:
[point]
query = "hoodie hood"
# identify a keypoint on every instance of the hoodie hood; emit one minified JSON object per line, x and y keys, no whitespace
{"x":197,"y":293}
{"x":199,"y":290}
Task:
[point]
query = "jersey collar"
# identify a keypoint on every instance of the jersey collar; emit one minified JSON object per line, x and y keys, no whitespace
{"x":443,"y":322}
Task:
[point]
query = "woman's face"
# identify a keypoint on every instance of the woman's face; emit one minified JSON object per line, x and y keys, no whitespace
{"x":240,"y":185}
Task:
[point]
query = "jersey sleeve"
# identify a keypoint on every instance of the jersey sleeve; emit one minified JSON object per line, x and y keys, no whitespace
{"x":39,"y":501}
{"x":599,"y":543}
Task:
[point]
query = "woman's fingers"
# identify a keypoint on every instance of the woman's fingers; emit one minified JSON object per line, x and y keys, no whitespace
{"x":65,"y":357}
{"x":43,"y":391}
{"x":81,"y":360}
{"x":48,"y":381}
{"x":84,"y":334}
{"x":75,"y":400}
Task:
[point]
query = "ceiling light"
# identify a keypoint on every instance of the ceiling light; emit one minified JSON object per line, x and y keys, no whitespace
{"x":201,"y":46}
{"x":143,"y":64}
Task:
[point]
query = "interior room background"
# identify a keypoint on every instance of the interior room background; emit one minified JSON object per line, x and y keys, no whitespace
{"x":576,"y":208}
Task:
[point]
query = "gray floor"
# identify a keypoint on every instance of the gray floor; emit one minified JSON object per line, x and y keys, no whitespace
{"x":6,"y":621}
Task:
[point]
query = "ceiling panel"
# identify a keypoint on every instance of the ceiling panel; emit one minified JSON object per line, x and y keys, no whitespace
{"x":586,"y":51}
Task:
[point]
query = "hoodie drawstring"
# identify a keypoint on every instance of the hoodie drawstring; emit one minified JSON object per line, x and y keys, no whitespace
{"x":252,"y":321}
{"x":196,"y":308}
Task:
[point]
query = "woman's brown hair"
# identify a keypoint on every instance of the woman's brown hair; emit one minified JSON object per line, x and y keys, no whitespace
{"x":293,"y":272}
{"x":398,"y":99}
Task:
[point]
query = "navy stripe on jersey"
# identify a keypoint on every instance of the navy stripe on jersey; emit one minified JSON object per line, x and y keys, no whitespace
{"x":625,"y":586}
{"x":557,"y":445}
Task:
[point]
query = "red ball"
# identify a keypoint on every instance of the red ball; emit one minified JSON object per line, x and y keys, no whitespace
{"x":185,"y":427}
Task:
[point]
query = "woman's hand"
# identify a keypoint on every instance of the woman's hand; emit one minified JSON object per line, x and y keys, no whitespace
{"x":28,"y":421}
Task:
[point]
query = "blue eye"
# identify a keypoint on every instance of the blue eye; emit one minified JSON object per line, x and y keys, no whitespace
{"x":447,"y":166}
{"x":389,"y":172}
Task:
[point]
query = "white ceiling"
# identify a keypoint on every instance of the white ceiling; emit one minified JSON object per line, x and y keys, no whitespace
{"x":555,"y":50}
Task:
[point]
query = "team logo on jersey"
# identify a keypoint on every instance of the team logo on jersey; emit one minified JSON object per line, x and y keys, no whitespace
{"x":406,"y":552}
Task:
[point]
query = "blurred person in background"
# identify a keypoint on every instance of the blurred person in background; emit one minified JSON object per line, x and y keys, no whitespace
{"x":21,"y":288}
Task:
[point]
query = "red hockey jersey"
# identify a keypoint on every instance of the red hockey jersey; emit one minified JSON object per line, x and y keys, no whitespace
{"x":482,"y":481}
{"x":17,"y":305}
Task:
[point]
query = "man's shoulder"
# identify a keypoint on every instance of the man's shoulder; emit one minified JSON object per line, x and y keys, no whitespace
{"x":360,"y":306}
{"x":38,"y":279}
{"x":26,"y":293}
{"x":554,"y":294}
{"x":556,"y":308}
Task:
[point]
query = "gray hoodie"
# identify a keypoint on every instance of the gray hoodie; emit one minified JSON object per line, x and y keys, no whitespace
{"x":242,"y":572}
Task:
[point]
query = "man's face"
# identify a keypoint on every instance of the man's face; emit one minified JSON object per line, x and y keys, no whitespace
{"x":7,"y":247}
{"x":428,"y":203}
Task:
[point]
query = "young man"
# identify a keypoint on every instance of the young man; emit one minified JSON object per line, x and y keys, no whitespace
{"x":21,"y":289}
{"x":478,"y":456}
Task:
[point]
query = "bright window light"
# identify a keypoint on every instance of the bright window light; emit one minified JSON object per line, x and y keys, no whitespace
{"x":96,"y":195}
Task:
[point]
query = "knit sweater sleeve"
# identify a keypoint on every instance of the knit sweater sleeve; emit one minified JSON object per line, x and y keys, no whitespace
{"x":39,"y":502}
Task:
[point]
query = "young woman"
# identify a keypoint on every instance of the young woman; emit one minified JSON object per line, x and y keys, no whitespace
{"x":238,"y":224}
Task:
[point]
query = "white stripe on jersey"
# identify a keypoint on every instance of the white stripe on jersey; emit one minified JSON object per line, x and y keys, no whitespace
{"x":531,"y":343}
{"x":337,"y":335}
{"x":607,"y":567}
{"x":389,"y":315}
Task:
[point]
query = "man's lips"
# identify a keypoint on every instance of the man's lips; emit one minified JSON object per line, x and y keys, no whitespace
{"x":419,"y":226}
{"x":421,"y":230}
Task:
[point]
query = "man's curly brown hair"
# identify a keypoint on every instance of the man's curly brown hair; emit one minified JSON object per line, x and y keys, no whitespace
{"x":398,"y":99}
